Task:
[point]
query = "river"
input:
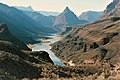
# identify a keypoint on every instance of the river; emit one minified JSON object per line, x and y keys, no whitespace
{"x":46,"y":47}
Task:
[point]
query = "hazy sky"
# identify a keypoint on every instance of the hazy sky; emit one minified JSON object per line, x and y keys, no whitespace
{"x":77,"y":6}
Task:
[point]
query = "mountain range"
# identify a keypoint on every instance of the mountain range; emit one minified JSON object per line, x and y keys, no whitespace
{"x":29,"y":8}
{"x":58,"y":21}
{"x":21,"y":25}
{"x":51,"y":21}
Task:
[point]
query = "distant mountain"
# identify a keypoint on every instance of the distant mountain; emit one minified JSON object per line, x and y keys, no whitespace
{"x":21,"y":25}
{"x":46,"y":21}
{"x":45,"y":13}
{"x":48,"y":13}
{"x":66,"y":19}
{"x":112,"y":10}
{"x":90,"y":15}
{"x":29,"y":8}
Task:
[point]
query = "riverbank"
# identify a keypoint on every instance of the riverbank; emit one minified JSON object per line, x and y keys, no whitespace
{"x":45,"y":46}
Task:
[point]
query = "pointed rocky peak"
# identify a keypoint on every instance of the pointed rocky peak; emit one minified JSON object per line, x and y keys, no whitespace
{"x":66,"y":9}
{"x":66,"y":19}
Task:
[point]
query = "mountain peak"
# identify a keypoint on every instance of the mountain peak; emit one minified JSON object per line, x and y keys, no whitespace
{"x":66,"y":9}
{"x":66,"y":19}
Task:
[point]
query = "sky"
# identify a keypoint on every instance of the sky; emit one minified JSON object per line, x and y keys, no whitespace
{"x":77,"y":6}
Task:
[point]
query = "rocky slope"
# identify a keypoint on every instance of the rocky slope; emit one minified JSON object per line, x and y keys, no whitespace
{"x":91,"y":44}
{"x":14,"y":68}
{"x":90,"y":40}
{"x":66,"y":19}
{"x":112,"y":10}
{"x":90,"y":16}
